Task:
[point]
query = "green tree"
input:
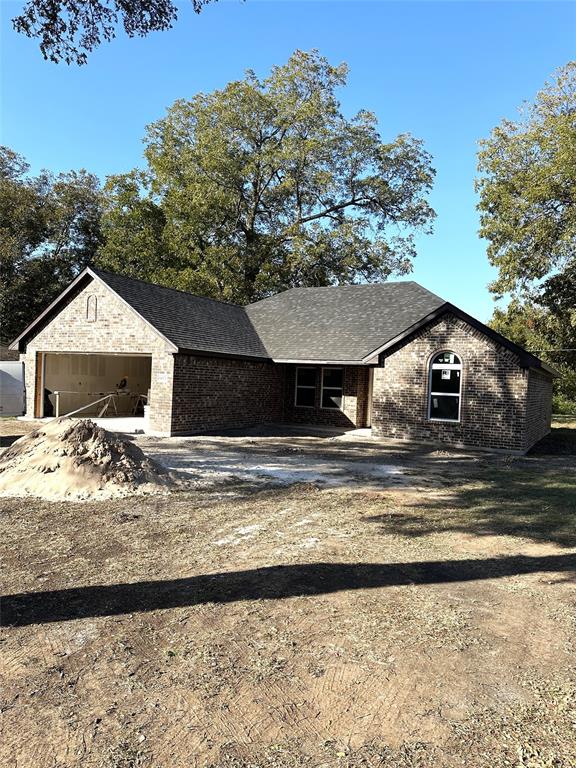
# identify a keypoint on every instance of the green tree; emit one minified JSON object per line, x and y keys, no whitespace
{"x":69,"y":30}
{"x":558,"y":300}
{"x":49,"y":230}
{"x":266,"y":185}
{"x":550,"y":332}
{"x":133,"y":225}
{"x":527,"y":188}
{"x":527,"y":207}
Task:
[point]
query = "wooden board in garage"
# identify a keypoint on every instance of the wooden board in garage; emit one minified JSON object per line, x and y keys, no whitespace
{"x":39,"y":386}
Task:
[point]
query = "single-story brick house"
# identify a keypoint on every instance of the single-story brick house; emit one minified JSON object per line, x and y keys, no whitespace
{"x":393,"y":357}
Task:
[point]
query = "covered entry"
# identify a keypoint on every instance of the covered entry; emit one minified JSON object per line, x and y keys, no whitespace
{"x":66,"y":382}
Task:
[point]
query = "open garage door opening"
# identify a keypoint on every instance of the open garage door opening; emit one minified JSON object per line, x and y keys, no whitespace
{"x":103,"y":386}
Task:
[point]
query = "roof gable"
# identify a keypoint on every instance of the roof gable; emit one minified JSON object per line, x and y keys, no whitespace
{"x":527,"y":359}
{"x":68,"y":295}
{"x":192,"y":323}
{"x":338,"y":323}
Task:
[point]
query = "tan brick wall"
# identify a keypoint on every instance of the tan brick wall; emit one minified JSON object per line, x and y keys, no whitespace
{"x":538,"y":407}
{"x":117,"y":329}
{"x":213,"y":393}
{"x":354,"y":411}
{"x":494,"y":390}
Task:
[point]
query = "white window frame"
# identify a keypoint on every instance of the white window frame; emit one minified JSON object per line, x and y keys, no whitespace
{"x":305,"y":386}
{"x":322,"y":388}
{"x":444,"y":366}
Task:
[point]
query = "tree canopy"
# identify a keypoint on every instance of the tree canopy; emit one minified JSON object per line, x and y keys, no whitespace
{"x":49,"y":230}
{"x":68,"y":30}
{"x":265,"y":185}
{"x":527,"y":188}
{"x":133,"y":226}
{"x":528,"y":215}
{"x":549,"y":332}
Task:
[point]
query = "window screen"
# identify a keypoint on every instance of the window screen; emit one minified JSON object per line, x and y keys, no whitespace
{"x":305,"y":395}
{"x":445,"y":387}
{"x":444,"y":407}
{"x":332,"y":384}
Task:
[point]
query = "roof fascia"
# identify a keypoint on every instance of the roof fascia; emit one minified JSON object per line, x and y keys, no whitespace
{"x":527,"y":359}
{"x":228,"y":355}
{"x":15,"y":344}
{"x":303,"y":361}
{"x":547,"y":369}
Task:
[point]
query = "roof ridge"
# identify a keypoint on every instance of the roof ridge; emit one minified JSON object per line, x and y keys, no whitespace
{"x":383,"y":284}
{"x":165,"y":287}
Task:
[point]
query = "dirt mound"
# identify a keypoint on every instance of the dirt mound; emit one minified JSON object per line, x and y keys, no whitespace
{"x":75,"y":459}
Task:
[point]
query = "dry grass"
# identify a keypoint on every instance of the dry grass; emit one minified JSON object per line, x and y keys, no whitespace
{"x":296,"y":627}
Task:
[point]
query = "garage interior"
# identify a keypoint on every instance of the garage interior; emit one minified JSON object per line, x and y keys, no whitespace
{"x":72,"y":381}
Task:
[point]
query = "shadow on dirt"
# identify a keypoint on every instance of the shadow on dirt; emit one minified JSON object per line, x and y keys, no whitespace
{"x":270,"y":583}
{"x":560,"y":442}
{"x":7,"y":440}
{"x":531,"y":503}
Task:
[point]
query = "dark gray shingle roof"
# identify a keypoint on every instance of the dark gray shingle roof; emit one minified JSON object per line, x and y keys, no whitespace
{"x":338,"y":323}
{"x":192,"y":323}
{"x":334,"y":323}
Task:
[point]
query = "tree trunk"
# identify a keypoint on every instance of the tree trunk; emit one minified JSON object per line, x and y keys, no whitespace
{"x":252,"y":263}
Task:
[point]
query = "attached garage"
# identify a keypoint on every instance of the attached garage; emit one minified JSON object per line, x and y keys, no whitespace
{"x":100,"y":384}
{"x":91,"y":344}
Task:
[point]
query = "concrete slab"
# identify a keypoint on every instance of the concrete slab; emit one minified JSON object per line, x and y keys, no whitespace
{"x":128,"y":425}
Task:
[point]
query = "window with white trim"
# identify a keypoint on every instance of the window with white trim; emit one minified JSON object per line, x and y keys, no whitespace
{"x":305,"y":394}
{"x":445,"y":386}
{"x":332,"y":386}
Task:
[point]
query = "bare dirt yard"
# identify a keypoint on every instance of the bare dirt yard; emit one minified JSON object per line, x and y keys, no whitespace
{"x":306,"y":601}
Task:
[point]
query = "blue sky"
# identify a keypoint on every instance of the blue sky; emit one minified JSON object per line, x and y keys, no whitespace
{"x":447,"y":72}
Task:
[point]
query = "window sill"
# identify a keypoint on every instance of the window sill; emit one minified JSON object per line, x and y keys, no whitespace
{"x":447,"y":421}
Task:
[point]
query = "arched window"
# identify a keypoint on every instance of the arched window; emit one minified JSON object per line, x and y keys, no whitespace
{"x":91,"y":308}
{"x":445,"y":387}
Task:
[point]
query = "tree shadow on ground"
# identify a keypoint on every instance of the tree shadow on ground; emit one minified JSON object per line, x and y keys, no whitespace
{"x":268,"y":583}
{"x":530,"y":502}
{"x":560,"y":442}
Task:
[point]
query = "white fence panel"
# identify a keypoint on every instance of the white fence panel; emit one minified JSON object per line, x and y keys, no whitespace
{"x":12,"y":397}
